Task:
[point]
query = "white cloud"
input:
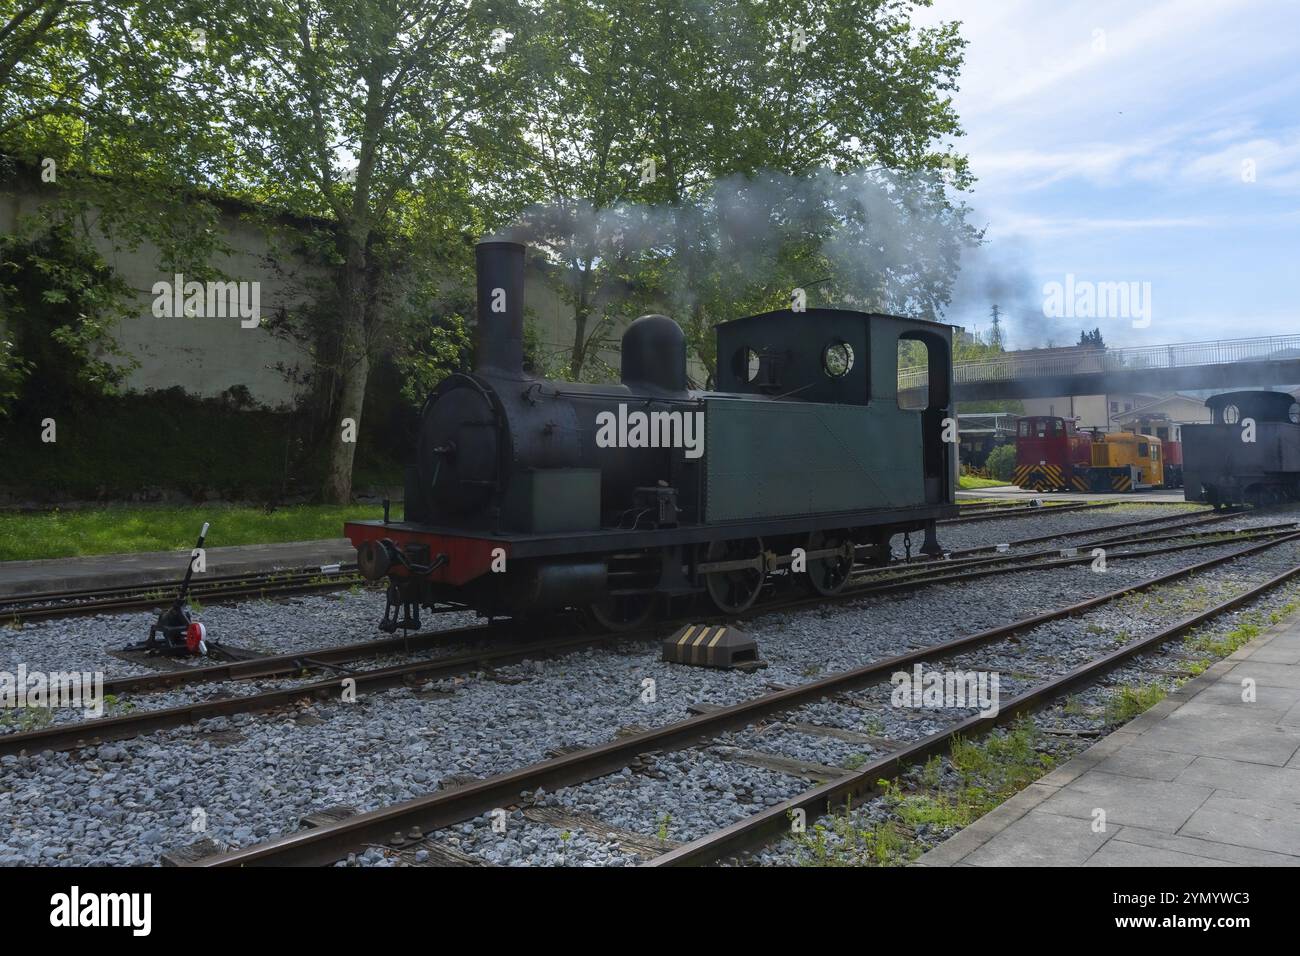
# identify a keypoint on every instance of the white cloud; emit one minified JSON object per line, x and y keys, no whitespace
{"x":1041,"y":227}
{"x":1273,"y":163}
{"x":1127,"y":160}
{"x":1021,"y":169}
{"x":1171,"y":96}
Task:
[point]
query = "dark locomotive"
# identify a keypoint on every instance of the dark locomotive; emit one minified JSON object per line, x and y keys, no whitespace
{"x":1248,"y":454}
{"x":529,"y":495}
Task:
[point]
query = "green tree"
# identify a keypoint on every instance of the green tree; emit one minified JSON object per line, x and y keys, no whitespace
{"x":58,"y":295}
{"x":94,"y":126}
{"x":624,"y":117}
{"x":1001,"y":463}
{"x":713,"y":159}
{"x":360,"y":112}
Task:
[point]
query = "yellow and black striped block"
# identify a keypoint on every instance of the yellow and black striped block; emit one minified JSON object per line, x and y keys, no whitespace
{"x":1039,"y":477}
{"x":1121,"y":482}
{"x":711,"y":645}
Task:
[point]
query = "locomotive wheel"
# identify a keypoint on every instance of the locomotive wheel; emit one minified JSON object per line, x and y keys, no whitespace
{"x":623,"y":612}
{"x":734,"y":591}
{"x":829,"y":575}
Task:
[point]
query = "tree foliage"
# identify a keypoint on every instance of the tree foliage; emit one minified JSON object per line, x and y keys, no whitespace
{"x":713,"y":159}
{"x":59,"y":296}
{"x":1091,"y":340}
{"x":1001,"y":463}
{"x":708,"y":159}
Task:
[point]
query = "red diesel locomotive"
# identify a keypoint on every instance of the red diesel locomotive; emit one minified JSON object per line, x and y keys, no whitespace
{"x":1054,"y":454}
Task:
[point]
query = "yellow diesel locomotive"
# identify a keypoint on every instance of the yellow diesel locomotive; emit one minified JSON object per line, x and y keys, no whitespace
{"x":1124,"y":461}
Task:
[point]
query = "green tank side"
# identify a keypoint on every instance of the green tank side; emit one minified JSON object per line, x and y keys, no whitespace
{"x":790,"y":458}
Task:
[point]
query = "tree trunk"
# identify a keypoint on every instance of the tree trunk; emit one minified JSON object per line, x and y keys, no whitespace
{"x":354,"y":371}
{"x":581,"y":311}
{"x":338,"y":473}
{"x":579,"y":337}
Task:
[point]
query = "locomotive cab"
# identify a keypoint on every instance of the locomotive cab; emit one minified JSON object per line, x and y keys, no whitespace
{"x":1171,"y":444}
{"x":1248,"y":454}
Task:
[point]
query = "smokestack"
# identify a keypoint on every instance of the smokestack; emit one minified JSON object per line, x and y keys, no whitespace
{"x":499,"y":344}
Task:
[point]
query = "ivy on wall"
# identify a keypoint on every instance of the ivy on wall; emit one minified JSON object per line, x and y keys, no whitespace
{"x":58,"y":302}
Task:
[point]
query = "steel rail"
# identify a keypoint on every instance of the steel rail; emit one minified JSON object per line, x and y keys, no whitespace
{"x":1193,"y":522}
{"x":278,"y":665}
{"x":908,"y":584}
{"x":295,"y":662}
{"x":908,"y":572}
{"x":281,"y":665}
{"x":83,"y":733}
{"x":328,"y":843}
{"x":171,"y":584}
{"x":147,"y":597}
{"x":823,"y":799}
{"x":1026,"y":511}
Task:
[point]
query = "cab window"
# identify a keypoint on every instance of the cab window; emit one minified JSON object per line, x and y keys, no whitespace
{"x":1024,"y":429}
{"x":1142,"y":449}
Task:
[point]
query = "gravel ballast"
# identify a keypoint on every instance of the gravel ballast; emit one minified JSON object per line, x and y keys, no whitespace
{"x":250,"y":778}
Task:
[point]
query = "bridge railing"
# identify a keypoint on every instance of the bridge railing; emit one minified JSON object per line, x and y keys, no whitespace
{"x":1018,"y":365}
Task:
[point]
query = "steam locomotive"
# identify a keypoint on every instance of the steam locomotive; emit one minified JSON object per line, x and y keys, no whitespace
{"x":1248,"y":454}
{"x":529,"y":495}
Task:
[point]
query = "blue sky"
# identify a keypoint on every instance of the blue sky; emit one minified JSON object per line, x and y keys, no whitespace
{"x":1118,"y":156}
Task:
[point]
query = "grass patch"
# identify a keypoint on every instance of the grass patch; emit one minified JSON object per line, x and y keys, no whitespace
{"x":1074,"y":706}
{"x":1129,"y":700}
{"x":114,"y":530}
{"x":25,"y":719}
{"x":988,"y":772}
{"x":839,"y":841}
{"x":970,"y":481}
{"x":1215,"y":647}
{"x":1209,"y":647}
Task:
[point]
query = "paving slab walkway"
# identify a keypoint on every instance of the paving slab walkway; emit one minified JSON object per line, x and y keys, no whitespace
{"x":1204,"y":778}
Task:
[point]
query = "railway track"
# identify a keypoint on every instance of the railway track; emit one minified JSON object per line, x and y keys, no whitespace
{"x":995,"y":514}
{"x":47,"y":605}
{"x":825,"y":799}
{"x":418,"y":818}
{"x":925,"y":568}
{"x":81,"y":733}
{"x":1182,"y":521}
{"x":56,"y":604}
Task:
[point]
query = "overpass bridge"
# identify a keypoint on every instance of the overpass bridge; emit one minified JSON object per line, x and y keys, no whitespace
{"x":1224,"y":364}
